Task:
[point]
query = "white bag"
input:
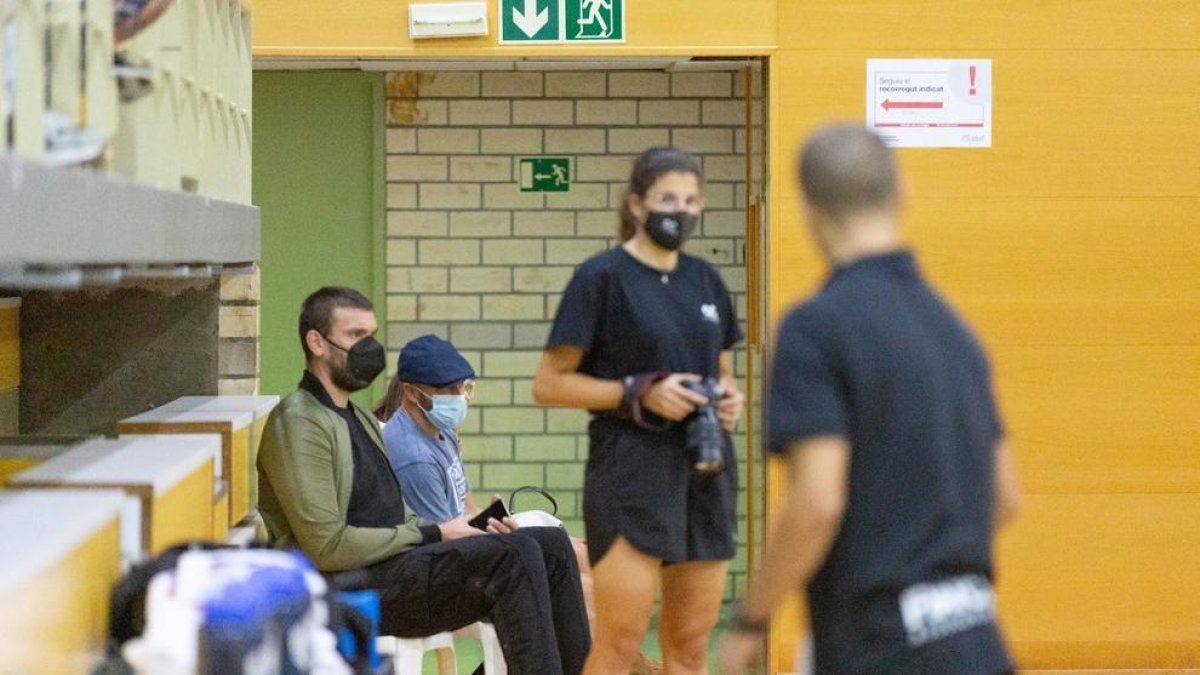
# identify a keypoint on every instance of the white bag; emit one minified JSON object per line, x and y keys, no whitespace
{"x":535,"y":517}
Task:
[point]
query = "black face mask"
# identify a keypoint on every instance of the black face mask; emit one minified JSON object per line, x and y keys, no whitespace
{"x":365,"y":360}
{"x":669,"y":229}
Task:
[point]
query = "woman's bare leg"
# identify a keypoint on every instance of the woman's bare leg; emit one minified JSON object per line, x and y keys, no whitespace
{"x":691,"y":604}
{"x":625,"y":581}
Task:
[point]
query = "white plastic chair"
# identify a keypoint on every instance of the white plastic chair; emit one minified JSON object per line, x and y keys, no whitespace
{"x":408,"y":654}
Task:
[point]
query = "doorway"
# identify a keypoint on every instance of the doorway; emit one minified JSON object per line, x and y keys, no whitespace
{"x":475,"y":253}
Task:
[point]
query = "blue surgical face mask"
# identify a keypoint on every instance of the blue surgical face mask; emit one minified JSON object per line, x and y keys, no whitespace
{"x":448,"y":411}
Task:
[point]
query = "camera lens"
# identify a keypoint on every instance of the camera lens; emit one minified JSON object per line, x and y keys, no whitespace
{"x":705,"y":440}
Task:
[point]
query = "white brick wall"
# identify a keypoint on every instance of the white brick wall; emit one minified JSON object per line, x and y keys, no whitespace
{"x":402,"y":196}
{"x":448,"y":140}
{"x":411,"y":224}
{"x":509,"y":85}
{"x":576,"y":85}
{"x":639,"y":84}
{"x":401,"y":140}
{"x":538,"y":113}
{"x":575,"y":141}
{"x":607,"y":112}
{"x":472,"y":258}
{"x":416,"y":168}
{"x":491,"y":112}
{"x":481,"y":279}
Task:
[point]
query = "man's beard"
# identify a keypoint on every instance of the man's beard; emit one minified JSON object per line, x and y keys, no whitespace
{"x":340,"y":375}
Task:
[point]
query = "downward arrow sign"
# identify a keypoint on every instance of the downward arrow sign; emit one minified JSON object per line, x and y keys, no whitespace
{"x":532,"y":20}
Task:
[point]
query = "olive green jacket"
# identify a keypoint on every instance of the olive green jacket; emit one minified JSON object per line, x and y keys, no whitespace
{"x":305,"y":474}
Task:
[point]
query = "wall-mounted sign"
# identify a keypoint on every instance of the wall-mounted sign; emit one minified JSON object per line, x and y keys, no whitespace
{"x":545,"y":174}
{"x":553,"y":21}
{"x":930,"y":103}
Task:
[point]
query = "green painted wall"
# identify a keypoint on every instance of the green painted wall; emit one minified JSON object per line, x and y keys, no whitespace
{"x":318,"y":178}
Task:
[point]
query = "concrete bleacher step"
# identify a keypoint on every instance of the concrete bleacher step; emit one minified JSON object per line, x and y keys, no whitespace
{"x":234,"y":430}
{"x":171,"y":477}
{"x":238,"y":419}
{"x":18,"y":453}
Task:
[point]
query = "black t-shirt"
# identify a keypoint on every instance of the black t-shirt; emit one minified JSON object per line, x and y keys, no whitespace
{"x":877,"y":358}
{"x":631,"y":318}
{"x":375,"y":497}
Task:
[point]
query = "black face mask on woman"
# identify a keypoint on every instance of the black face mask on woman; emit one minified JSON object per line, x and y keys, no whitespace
{"x":365,"y":360}
{"x":669,"y":229}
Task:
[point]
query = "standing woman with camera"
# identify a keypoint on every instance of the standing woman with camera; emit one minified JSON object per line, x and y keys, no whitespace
{"x":642,"y":330}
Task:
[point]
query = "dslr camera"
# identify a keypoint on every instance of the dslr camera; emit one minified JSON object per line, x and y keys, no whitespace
{"x":705,"y":438}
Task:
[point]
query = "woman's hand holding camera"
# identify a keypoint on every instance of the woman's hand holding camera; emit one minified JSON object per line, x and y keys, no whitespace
{"x":669,"y":399}
{"x":729,"y":408}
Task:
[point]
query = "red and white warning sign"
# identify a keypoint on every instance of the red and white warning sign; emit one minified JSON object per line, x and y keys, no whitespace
{"x":930,"y":103}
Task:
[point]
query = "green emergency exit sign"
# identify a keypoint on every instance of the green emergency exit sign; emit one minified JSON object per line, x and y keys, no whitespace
{"x":561,"y":21}
{"x":545,"y":174}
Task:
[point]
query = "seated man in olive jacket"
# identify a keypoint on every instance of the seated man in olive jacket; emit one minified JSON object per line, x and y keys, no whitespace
{"x":327,"y":488}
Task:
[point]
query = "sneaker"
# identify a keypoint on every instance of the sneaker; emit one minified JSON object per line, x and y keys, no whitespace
{"x":68,"y":144}
{"x":133,"y":16}
{"x":134,"y":80}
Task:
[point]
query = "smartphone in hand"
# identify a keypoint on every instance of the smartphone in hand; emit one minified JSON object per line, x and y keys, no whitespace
{"x":495,"y":510}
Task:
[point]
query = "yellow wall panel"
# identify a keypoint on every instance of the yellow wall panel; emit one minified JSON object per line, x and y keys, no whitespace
{"x":1123,"y":132}
{"x":984,"y":24}
{"x":1058,"y":249}
{"x":1073,"y":247}
{"x":1102,"y":418}
{"x":1082,"y":581}
{"x":1056,"y":322}
{"x":379,"y":28}
{"x":797,"y":269}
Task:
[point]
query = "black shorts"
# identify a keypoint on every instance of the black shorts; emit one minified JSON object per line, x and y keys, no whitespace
{"x":640,"y":485}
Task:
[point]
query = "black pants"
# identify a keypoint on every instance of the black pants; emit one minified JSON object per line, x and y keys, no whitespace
{"x":526,"y":584}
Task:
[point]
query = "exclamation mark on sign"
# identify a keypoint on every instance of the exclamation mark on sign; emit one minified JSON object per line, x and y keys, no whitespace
{"x":971,"y":73}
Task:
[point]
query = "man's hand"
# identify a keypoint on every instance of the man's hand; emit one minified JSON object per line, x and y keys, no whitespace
{"x":670,"y":400}
{"x":458,"y":529}
{"x":739,"y":651}
{"x":504,"y":525}
{"x":729,"y":408}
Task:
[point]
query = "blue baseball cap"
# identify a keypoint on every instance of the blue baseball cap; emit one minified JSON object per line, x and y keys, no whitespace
{"x":431,"y":360}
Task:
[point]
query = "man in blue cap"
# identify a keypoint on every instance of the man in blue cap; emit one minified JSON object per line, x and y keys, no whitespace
{"x":425,"y":405}
{"x":434,"y":385}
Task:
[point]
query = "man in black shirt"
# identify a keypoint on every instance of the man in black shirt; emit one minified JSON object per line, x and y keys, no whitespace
{"x":327,"y":488}
{"x":880,"y":402}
